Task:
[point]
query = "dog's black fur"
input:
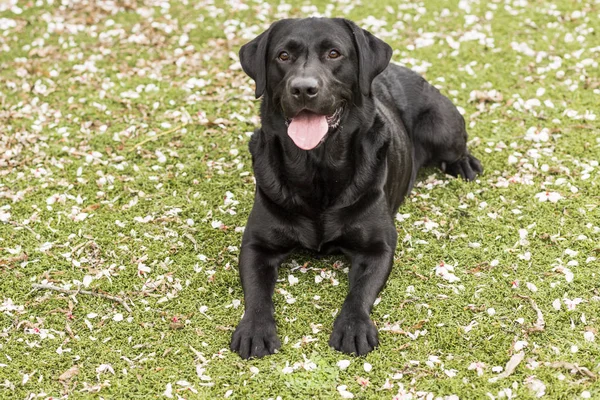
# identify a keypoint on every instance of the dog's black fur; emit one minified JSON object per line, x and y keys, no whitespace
{"x":342,"y":195}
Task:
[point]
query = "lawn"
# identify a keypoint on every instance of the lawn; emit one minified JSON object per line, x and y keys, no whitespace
{"x":124,"y":172}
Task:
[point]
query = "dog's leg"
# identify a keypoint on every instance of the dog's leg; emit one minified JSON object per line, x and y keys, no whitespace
{"x":353,"y":330}
{"x":256,"y":334}
{"x":440,"y":132}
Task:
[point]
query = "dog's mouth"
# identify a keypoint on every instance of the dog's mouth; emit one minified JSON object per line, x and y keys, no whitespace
{"x":308,"y":129}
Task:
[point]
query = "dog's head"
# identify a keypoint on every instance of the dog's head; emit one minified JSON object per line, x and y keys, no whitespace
{"x":312,"y":69}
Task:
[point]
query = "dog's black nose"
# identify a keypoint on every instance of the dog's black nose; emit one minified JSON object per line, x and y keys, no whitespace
{"x":304,"y":87}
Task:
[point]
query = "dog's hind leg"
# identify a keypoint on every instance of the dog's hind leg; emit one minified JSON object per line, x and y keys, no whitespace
{"x":439,"y":134}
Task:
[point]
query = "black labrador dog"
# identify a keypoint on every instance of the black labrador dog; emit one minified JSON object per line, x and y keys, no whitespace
{"x":343,"y":136}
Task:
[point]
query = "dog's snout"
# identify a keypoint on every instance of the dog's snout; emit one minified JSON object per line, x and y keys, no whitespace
{"x":304,"y":87}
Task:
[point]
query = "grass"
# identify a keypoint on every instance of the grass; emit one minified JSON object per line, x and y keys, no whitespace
{"x":86,"y":189}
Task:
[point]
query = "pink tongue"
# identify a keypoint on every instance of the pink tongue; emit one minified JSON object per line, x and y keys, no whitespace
{"x":308,"y":129}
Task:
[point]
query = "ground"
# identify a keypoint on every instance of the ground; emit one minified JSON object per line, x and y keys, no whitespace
{"x":124,"y":171}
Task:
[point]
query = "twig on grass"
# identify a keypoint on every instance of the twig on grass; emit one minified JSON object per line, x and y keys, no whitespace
{"x":151,"y":138}
{"x":69,"y":291}
{"x":511,"y":366}
{"x":402,"y":347}
{"x":540,"y":324}
{"x":582,"y":370}
{"x":13,"y":260}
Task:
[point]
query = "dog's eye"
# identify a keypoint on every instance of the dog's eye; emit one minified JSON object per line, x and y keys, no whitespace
{"x":283,"y":56}
{"x":333,"y":54}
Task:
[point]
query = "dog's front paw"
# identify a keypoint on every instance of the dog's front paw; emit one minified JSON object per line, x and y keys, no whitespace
{"x":354,"y":333}
{"x":255,"y":337}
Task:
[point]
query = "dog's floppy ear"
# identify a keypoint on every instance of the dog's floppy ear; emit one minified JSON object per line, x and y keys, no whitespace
{"x":253,"y":57}
{"x":373,"y":56}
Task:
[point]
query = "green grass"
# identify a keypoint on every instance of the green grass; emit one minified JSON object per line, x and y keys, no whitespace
{"x":145,"y":209}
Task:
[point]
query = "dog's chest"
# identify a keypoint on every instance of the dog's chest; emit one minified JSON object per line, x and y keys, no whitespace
{"x":324,"y":233}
